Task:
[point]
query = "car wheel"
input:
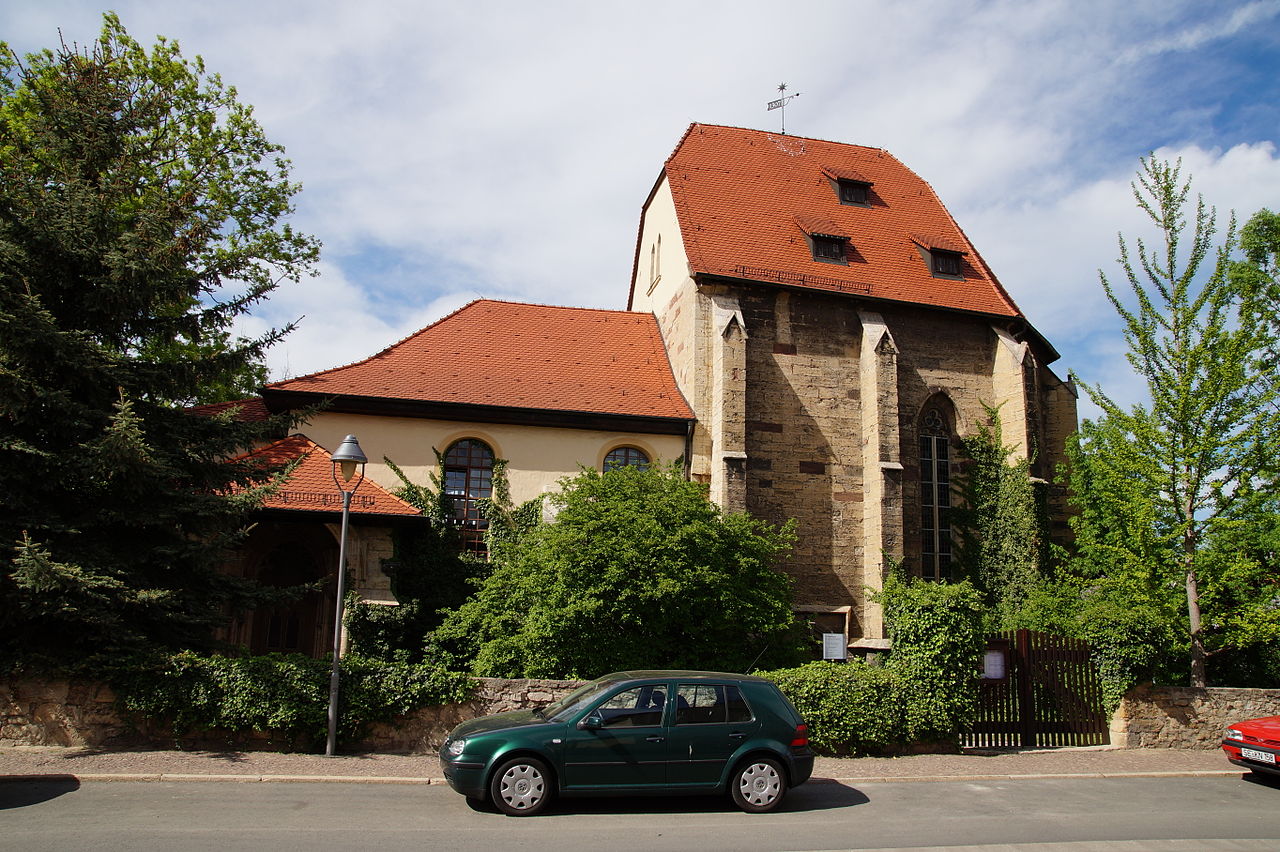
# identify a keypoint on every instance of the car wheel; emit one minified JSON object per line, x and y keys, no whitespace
{"x":521,"y":787}
{"x":758,"y":785}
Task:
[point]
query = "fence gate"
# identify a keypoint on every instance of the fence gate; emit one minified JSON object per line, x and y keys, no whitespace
{"x":1038,"y":690}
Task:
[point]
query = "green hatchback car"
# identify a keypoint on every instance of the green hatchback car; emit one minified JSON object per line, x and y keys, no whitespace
{"x":643,"y":732}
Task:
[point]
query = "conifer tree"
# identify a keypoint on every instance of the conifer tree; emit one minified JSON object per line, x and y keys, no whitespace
{"x":142,"y":210}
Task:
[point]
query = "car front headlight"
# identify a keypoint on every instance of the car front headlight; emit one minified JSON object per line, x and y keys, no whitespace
{"x":1233,"y":734}
{"x":454,"y":747}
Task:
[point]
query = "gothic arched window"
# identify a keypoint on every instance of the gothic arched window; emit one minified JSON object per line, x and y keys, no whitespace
{"x":935,"y":495}
{"x":468,"y":478}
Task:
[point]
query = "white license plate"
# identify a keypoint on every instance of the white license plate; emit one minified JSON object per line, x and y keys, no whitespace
{"x":1260,"y":756}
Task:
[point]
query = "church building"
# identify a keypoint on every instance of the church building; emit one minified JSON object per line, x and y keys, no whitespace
{"x":807,"y":328}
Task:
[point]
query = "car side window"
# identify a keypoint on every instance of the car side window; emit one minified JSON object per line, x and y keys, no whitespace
{"x":738,"y":709}
{"x":704,"y":704}
{"x":635,"y":707}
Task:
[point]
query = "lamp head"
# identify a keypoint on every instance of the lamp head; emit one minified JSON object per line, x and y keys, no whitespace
{"x":348,"y":457}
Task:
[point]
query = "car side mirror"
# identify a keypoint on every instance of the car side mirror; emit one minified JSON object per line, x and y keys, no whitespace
{"x":591,"y":721}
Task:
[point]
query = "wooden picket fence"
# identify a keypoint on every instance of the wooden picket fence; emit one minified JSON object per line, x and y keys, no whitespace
{"x":1038,"y":691}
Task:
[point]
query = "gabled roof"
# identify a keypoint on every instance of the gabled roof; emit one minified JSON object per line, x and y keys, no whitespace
{"x":310,"y":486}
{"x":739,"y":195}
{"x":520,"y":356}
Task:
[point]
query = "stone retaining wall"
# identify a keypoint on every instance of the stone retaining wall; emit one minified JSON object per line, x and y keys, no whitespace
{"x":1186,"y":717}
{"x":423,"y":731}
{"x":81,"y":713}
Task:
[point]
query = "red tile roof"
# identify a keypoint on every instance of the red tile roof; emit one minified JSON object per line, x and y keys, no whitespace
{"x":248,"y":410}
{"x":520,"y":356}
{"x":741,"y":194}
{"x":310,"y":487}
{"x":820,"y":225}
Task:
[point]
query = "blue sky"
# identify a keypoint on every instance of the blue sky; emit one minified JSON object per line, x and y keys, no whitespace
{"x":503,"y":149}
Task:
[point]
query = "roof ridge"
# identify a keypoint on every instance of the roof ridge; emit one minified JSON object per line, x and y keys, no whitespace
{"x":773,"y":133}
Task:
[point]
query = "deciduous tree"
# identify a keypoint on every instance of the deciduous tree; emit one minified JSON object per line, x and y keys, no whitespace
{"x":1184,"y":465}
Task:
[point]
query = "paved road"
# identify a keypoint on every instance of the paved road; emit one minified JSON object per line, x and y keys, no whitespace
{"x":1119,"y":815}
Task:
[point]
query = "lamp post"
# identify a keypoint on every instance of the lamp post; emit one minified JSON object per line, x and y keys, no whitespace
{"x":345,"y":460}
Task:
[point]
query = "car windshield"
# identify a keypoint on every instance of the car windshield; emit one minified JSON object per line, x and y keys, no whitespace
{"x":562,"y":710}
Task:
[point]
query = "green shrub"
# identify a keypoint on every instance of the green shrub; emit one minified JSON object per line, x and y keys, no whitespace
{"x":279,"y":694}
{"x":937,"y":635}
{"x":638,"y":570}
{"x":926,"y":692}
{"x":850,"y":707}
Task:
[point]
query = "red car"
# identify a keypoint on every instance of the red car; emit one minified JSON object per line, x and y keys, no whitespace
{"x":1254,"y":744}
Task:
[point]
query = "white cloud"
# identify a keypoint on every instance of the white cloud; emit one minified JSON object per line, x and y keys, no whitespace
{"x":504,"y":148}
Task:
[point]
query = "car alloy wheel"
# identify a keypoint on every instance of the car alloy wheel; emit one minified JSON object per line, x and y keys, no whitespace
{"x":521,"y":787}
{"x":759,"y":785}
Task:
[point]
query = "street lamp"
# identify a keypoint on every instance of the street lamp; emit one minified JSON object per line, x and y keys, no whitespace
{"x":346,"y":459}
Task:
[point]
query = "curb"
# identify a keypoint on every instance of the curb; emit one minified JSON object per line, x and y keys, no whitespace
{"x":147,"y":777}
{"x":426,"y":781}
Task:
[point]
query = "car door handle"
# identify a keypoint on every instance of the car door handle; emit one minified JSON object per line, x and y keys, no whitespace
{"x":654,"y":739}
{"x":736,"y":735}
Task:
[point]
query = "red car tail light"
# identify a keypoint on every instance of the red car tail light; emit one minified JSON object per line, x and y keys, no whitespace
{"x":801,"y":738}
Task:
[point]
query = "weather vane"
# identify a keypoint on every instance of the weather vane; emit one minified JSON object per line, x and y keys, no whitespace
{"x":781,"y":103}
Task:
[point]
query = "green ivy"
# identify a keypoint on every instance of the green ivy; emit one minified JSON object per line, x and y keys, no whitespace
{"x":938,"y":637}
{"x":285,"y":695}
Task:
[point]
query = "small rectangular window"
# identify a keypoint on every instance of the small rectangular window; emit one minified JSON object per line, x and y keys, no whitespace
{"x":828,"y":248}
{"x":946,"y":262}
{"x":852,"y":192}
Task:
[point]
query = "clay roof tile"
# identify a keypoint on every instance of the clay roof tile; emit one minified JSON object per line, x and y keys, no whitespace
{"x":520,"y":356}
{"x":740,"y":193}
{"x":310,"y":486}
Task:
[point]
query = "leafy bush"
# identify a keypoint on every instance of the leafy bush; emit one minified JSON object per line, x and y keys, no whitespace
{"x":850,"y":707}
{"x":285,"y":695}
{"x":638,"y":570}
{"x":937,"y":633}
{"x":1134,"y":639}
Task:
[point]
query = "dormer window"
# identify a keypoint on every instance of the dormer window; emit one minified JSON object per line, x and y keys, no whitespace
{"x":826,"y":241}
{"x":852,"y":192}
{"x":943,"y":254}
{"x":851,"y":187}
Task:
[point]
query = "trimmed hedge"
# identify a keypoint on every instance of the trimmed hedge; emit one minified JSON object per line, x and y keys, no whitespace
{"x":926,"y":692}
{"x":850,"y":707}
{"x":284,"y":695}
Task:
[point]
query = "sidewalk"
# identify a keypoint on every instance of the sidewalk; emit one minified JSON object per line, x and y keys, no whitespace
{"x":86,"y":764}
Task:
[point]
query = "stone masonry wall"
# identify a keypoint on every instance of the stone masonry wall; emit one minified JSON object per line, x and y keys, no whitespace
{"x":803,"y":436}
{"x":1186,"y":717}
{"x":80,"y":713}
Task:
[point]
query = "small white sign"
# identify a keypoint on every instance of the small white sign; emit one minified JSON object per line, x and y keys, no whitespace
{"x":834,"y":646}
{"x":993,"y":665}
